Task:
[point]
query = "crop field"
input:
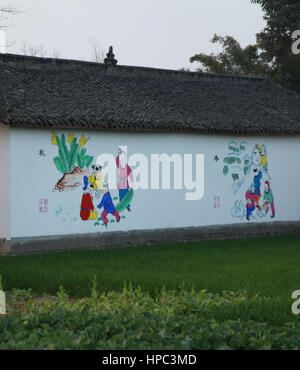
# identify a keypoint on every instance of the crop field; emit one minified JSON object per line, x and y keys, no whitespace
{"x":232,"y":294}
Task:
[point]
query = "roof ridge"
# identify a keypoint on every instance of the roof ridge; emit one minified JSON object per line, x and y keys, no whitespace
{"x":49,"y":92}
{"x":35,"y":61}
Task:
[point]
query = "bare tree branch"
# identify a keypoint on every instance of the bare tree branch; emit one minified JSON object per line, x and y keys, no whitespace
{"x":33,"y":51}
{"x":8,"y":9}
{"x":55,"y":54}
{"x":97,"y":52}
{"x":38,"y":51}
{"x":5,"y":12}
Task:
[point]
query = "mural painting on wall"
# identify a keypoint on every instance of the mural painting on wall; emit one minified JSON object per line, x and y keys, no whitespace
{"x":251,"y":181}
{"x":79,"y":169}
{"x":72,"y":160}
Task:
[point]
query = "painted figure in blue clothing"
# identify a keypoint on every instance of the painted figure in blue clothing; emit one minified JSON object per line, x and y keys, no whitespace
{"x":108,"y":206}
{"x":257,"y":182}
{"x":250,"y":199}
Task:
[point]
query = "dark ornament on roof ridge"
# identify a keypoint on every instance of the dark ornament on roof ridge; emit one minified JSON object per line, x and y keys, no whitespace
{"x":110,"y":58}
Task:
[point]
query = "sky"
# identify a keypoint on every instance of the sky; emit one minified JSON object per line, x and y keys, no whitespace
{"x":150,"y":33}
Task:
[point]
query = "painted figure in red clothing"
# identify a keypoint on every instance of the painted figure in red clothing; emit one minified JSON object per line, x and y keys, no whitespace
{"x":125,"y":173}
{"x":87,"y":207}
{"x":251,"y":199}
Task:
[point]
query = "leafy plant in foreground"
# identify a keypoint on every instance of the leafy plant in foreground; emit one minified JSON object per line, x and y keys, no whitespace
{"x":133,"y":319}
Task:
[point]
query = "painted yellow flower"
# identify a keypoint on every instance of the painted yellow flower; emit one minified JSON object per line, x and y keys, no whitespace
{"x":70,"y":138}
{"x":83,"y":140}
{"x":53,"y":138}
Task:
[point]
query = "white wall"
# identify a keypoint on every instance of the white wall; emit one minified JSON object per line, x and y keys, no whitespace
{"x":4,"y":183}
{"x":33,"y":177}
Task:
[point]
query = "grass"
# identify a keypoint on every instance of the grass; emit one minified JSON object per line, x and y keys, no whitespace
{"x":269,"y":266}
{"x":210,"y":294}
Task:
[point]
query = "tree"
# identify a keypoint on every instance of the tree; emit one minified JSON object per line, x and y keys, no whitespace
{"x":38,"y":51}
{"x":34,"y":51}
{"x":282,"y":18}
{"x":97,"y":52}
{"x":233,"y":59}
{"x":5,"y":12}
{"x":272,"y":51}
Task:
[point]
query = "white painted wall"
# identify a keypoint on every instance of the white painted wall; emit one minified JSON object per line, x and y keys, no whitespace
{"x":33,"y":177}
{"x":4,"y":183}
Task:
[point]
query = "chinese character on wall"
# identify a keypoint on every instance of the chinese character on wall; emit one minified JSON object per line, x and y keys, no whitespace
{"x":217,"y":202}
{"x":43,"y":205}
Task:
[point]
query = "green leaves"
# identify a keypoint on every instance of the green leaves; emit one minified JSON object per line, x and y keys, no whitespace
{"x":73,"y":153}
{"x":67,"y":158}
{"x":133,"y":319}
{"x":232,"y":160}
{"x":80,"y":162}
{"x":62,"y":161}
{"x":88,"y":161}
{"x":63,"y":152}
{"x":234,"y":176}
{"x":282,"y":18}
{"x":83,"y":159}
{"x":233,"y":148}
{"x":233,"y":59}
{"x":59,"y":165}
{"x":125,"y":201}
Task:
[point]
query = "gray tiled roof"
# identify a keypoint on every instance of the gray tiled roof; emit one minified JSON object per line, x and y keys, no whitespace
{"x":40,"y":92}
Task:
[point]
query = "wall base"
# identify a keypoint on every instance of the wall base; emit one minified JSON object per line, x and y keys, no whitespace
{"x":145,"y":237}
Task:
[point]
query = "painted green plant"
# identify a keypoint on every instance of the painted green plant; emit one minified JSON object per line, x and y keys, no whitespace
{"x":246,"y":167}
{"x":125,"y":201}
{"x":83,"y":159}
{"x":234,"y":157}
{"x":70,"y":152}
{"x":234,"y":176}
